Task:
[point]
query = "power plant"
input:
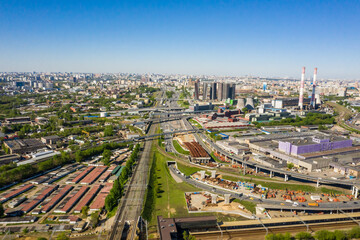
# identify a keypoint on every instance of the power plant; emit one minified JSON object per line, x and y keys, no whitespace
{"x":301,"y":95}
{"x":313,"y":102}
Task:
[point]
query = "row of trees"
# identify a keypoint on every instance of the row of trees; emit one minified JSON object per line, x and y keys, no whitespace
{"x":310,"y":119}
{"x":81,"y":155}
{"x":115,"y":194}
{"x":151,"y":192}
{"x":319,"y":235}
{"x":11,"y":173}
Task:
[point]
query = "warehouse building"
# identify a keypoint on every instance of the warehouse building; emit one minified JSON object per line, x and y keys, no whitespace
{"x":307,"y":150}
{"x":22,"y":146}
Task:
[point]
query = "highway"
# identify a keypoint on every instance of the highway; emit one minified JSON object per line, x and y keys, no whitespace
{"x":201,"y":138}
{"x":274,"y":204}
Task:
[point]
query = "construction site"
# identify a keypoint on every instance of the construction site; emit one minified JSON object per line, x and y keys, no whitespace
{"x":206,"y":202}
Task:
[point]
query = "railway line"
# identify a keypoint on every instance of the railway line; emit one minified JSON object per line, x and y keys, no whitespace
{"x":280,"y":226}
{"x":132,"y":202}
{"x":258,"y":234}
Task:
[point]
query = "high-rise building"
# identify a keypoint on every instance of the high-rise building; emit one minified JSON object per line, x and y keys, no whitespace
{"x":220,"y":91}
{"x":213,"y":91}
{"x":229,"y":91}
{"x":196,"y":94}
{"x":205,"y":93}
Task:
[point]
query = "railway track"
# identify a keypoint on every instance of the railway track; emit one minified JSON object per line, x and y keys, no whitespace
{"x":132,"y":202}
{"x":259,"y":233}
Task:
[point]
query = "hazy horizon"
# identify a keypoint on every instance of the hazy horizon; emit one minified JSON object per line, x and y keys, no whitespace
{"x":222,"y":38}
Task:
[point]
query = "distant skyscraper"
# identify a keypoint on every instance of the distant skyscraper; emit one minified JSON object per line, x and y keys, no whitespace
{"x":213,"y":91}
{"x":196,"y":94}
{"x":205,"y":91}
{"x":264,"y":86}
{"x":229,"y":91}
{"x":220,"y":91}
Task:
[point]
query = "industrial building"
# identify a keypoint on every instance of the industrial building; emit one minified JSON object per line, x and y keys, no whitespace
{"x":307,"y":150}
{"x":173,"y":228}
{"x":17,"y":120}
{"x":197,"y":153}
{"x":50,"y":139}
{"x":22,"y":146}
{"x":197,"y":107}
{"x":9,"y":158}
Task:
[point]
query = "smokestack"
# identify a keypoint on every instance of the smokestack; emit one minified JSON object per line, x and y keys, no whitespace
{"x":313,"y":102}
{"x":301,"y":95}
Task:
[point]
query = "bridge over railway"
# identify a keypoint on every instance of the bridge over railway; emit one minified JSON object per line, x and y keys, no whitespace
{"x":202,"y":139}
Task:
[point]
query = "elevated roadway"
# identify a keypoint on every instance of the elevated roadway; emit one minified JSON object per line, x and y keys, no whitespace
{"x":202,"y":139}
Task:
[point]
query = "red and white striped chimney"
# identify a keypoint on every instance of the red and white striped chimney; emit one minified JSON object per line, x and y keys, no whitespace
{"x":315,"y":74}
{"x":301,"y":95}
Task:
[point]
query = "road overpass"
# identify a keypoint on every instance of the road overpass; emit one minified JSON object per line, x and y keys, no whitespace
{"x":201,"y":138}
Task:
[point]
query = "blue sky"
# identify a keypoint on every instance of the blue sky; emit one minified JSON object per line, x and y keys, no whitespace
{"x":262,"y":38}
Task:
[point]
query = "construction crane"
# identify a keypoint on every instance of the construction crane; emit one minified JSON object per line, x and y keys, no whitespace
{"x":87,"y":133}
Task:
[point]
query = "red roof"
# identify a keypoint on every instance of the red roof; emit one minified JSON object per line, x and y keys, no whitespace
{"x":74,"y":199}
{"x":104,"y":176}
{"x":82,"y":174}
{"x":16,"y":192}
{"x":56,"y":198}
{"x":99,"y":201}
{"x":46,"y":192}
{"x":91,"y":177}
{"x":87,"y":198}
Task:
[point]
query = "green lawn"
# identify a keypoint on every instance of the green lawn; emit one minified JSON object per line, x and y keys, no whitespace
{"x":247,"y":204}
{"x":195,"y":123}
{"x":179,"y":149}
{"x":187,"y":170}
{"x":169,"y":199}
{"x":294,"y":187}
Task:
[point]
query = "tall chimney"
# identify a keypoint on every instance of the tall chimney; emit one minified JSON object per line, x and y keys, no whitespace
{"x":301,"y":95}
{"x":313,"y":102}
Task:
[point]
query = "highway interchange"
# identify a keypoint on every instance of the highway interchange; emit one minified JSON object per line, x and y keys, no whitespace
{"x":131,"y":204}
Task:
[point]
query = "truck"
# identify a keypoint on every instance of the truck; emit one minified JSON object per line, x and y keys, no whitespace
{"x":313,"y":204}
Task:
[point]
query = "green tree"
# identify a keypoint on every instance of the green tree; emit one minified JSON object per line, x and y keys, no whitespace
{"x":324,"y":235}
{"x":303,"y":236}
{"x":41,"y":238}
{"x":84,"y":211}
{"x":109,"y":131}
{"x":340,"y":235}
{"x":25,"y":230}
{"x":62,"y":236}
{"x":354,"y":232}
{"x":187,"y":236}
{"x":290,"y":165}
{"x":94,"y":219}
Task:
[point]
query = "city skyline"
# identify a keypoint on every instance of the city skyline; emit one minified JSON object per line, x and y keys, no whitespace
{"x":266,"y":39}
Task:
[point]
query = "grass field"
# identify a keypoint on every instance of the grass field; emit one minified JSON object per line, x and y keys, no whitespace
{"x":187,"y":170}
{"x":169,"y":199}
{"x":195,"y":123}
{"x":179,"y":149}
{"x":247,"y":204}
{"x":280,"y":186}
